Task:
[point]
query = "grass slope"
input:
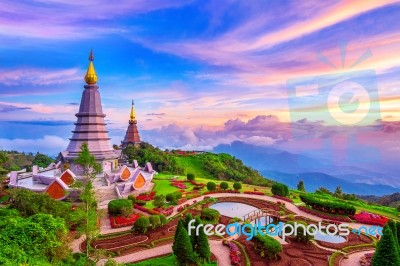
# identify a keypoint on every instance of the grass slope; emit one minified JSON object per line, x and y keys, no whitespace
{"x":164,"y":261}
{"x":193,"y":165}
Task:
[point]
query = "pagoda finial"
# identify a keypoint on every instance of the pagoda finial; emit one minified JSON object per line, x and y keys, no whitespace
{"x":91,"y":76}
{"x":133,"y":115}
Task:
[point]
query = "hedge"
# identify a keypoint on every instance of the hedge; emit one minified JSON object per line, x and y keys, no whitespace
{"x":209,"y":214}
{"x":327,"y":206}
{"x":119,"y":207}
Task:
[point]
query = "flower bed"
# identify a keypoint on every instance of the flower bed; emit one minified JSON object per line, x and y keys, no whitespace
{"x":178,"y":184}
{"x":325,"y":216}
{"x":370,"y":218}
{"x":144,"y":209}
{"x":254,"y":193}
{"x":222,"y":191}
{"x":234,"y":253}
{"x":182,"y":200}
{"x":146,"y":197}
{"x":283,"y":198}
{"x":121,"y":221}
{"x":167,"y":212}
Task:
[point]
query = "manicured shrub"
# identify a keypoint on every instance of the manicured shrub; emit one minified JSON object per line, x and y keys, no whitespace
{"x":210,"y":215}
{"x":328,"y":206}
{"x":141,"y":202}
{"x":174,"y":197}
{"x":280,"y":189}
{"x":237,"y":186}
{"x":266,"y":246}
{"x":235,"y":220}
{"x":190,"y":177}
{"x":132,"y":198}
{"x":120,"y":207}
{"x":211,"y":186}
{"x":302,"y":235}
{"x":163,"y":219}
{"x":159,"y":201}
{"x":224,"y":185}
{"x":155,"y":221}
{"x":142,"y":224}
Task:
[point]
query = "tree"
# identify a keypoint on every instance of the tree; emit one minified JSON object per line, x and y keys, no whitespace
{"x":89,"y":204}
{"x":211,"y":186}
{"x":42,"y":160}
{"x":323,"y":190}
{"x":393,"y":227}
{"x":203,"y":247}
{"x":237,"y":185}
{"x":182,"y":246}
{"x":119,"y":207}
{"x":224,"y":185}
{"x":159,"y":201}
{"x":398,"y":232}
{"x":190,"y":176}
{"x":300,"y":186}
{"x":386,"y":251}
{"x":280,"y":189}
{"x":155,"y":221}
{"x":266,"y":246}
{"x":398,"y":207}
{"x":142,"y":224}
{"x":338,"y":192}
{"x":3,"y":157}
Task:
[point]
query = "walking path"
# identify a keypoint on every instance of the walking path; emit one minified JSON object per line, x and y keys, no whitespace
{"x":217,"y":248}
{"x":354,"y":258}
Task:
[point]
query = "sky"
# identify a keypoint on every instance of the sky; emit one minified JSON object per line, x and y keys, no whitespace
{"x":204,"y":73}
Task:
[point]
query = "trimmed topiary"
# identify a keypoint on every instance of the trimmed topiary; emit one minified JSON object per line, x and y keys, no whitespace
{"x":224,"y":185}
{"x":211,"y":186}
{"x":141,"y":224}
{"x":280,"y":189}
{"x":190,"y":176}
{"x":237,"y":186}
{"x":120,"y":207}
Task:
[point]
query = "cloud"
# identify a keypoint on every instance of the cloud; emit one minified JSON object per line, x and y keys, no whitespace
{"x":66,"y":20}
{"x":34,"y":76}
{"x":43,"y":122}
{"x":74,"y":104}
{"x":4,"y":108}
{"x":51,"y":145}
{"x":156,"y":114}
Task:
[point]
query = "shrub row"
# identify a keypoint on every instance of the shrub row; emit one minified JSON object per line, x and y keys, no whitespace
{"x":283,"y":198}
{"x":222,"y":191}
{"x":144,"y":209}
{"x":325,"y":215}
{"x":120,"y":207}
{"x":327,"y":206}
{"x":254,"y":193}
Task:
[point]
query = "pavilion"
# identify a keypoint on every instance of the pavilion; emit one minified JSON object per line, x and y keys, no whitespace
{"x":116,"y":180}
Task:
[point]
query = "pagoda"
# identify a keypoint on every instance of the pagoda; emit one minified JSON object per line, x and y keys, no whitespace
{"x":90,"y":128}
{"x":132,"y":134}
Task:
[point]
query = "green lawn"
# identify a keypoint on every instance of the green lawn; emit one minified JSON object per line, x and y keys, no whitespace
{"x":193,"y":165}
{"x":164,"y":261}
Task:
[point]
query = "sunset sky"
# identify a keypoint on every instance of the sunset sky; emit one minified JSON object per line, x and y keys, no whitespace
{"x":201,"y":73}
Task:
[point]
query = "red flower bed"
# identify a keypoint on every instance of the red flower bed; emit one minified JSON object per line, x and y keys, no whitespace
{"x":222,"y":191}
{"x":370,"y":218}
{"x":326,"y":215}
{"x":234,"y":253}
{"x":178,"y":184}
{"x":144,"y":209}
{"x":146,"y":197}
{"x":182,"y":200}
{"x":254,"y":192}
{"x":283,"y":198}
{"x":121,"y":221}
{"x":180,"y":208}
{"x":167,"y":212}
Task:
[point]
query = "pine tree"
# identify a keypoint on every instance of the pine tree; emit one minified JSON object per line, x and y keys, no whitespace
{"x":203,"y":247}
{"x":386,"y":251}
{"x":393,"y":227}
{"x":398,"y":232}
{"x":300,"y":186}
{"x":182,"y":246}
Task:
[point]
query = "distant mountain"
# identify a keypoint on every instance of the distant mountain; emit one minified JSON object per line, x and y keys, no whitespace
{"x":387,"y":200}
{"x":314,"y":180}
{"x":289,"y":168}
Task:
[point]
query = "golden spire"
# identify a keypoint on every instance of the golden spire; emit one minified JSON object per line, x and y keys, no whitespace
{"x":91,"y":77}
{"x":133,"y":115}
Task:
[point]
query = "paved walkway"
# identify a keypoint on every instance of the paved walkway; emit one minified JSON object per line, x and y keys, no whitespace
{"x":354,"y":258}
{"x":75,"y":245}
{"x":217,"y":248}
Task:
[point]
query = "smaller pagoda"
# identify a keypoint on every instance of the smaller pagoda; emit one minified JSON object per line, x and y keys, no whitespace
{"x":132,"y":134}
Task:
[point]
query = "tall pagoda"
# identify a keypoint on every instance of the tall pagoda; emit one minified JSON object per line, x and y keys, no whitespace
{"x":132,"y":134}
{"x":90,"y":127}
